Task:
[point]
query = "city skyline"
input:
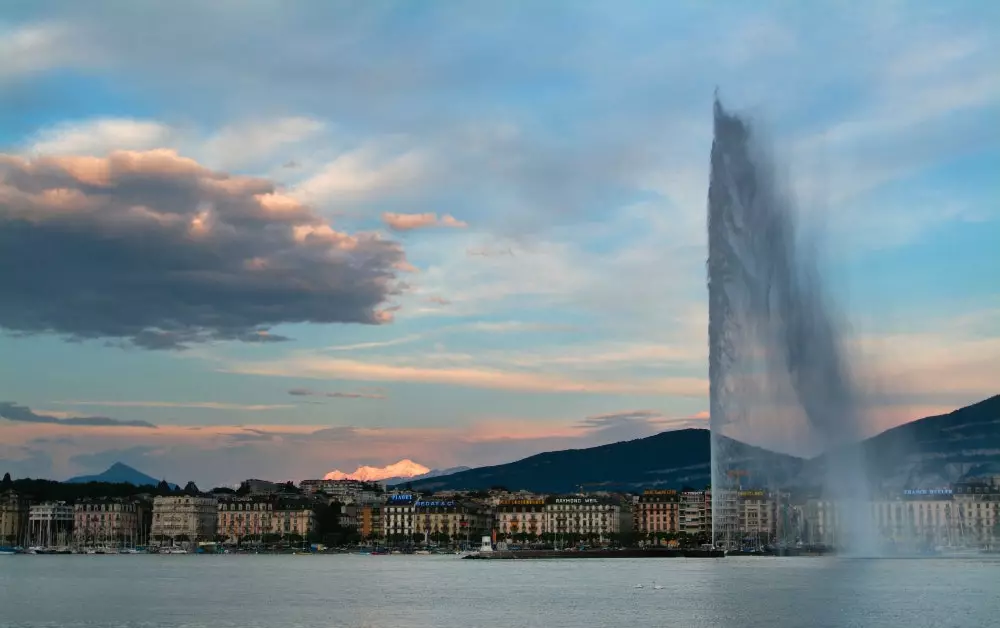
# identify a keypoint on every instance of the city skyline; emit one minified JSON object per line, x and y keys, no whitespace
{"x":354,"y":234}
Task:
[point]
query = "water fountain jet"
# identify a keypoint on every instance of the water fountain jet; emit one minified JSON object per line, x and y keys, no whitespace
{"x":779,"y":375}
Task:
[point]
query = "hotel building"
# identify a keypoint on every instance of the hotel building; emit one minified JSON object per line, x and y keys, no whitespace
{"x":111,"y":522}
{"x":522,"y":517}
{"x":183,"y":518}
{"x":587,"y":517}
{"x":397,"y":516}
{"x":244,"y":518}
{"x":296,"y":518}
{"x":657,"y":512}
{"x":443,"y":521}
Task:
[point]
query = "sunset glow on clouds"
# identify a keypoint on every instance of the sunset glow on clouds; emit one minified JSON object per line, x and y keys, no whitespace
{"x":336,"y":242}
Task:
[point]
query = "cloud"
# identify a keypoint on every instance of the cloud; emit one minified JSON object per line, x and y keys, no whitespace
{"x":250,"y":142}
{"x":155,"y":250}
{"x":473,"y":377}
{"x":99,"y":137}
{"x":409,"y":222}
{"x":366,"y":173}
{"x":197,"y":405}
{"x":23,"y":414}
{"x":31,"y":49}
{"x":305,"y":392}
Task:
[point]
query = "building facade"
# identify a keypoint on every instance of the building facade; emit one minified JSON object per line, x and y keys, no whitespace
{"x":110,"y":522}
{"x":293,"y":519}
{"x":13,"y":518}
{"x":521,"y":518}
{"x":50,"y":524}
{"x":757,"y":518}
{"x":449,"y":521}
{"x":695,"y":513}
{"x":397,"y":517}
{"x":370,"y":521}
{"x":184,"y":518}
{"x":966,"y":515}
{"x":657,"y":513}
{"x":244,"y":518}
{"x":583,"y":517}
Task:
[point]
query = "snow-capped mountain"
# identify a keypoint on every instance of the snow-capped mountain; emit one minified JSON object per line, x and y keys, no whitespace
{"x":403,"y":469}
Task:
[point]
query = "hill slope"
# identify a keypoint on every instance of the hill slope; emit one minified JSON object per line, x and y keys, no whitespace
{"x":667,"y":460}
{"x":930,"y":452}
{"x":938,"y":450}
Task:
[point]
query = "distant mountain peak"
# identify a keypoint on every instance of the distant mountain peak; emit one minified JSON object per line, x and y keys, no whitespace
{"x":405,"y":468}
{"x":117,"y":473}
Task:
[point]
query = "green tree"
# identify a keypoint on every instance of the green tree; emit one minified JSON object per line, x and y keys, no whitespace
{"x":6,"y":484}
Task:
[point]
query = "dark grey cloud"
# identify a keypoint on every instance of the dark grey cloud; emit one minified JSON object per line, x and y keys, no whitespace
{"x":306,"y":392}
{"x":153,"y":250}
{"x":23,"y":414}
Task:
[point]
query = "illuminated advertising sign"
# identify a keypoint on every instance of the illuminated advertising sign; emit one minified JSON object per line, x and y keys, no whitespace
{"x":400,"y":499}
{"x":523,"y":502}
{"x":435,"y":504}
{"x":659,"y":492}
{"x":927,"y":491}
{"x":576,"y":500}
{"x":754,"y":493}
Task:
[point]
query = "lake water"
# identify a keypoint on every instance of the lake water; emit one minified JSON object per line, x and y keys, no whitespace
{"x":443,"y":591}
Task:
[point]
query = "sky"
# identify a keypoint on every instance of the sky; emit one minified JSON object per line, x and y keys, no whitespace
{"x":271,"y":239}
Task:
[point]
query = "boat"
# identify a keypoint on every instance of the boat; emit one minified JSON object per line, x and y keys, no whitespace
{"x":8,"y":551}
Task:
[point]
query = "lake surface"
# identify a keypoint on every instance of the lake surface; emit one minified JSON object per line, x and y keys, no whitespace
{"x":443,"y":591}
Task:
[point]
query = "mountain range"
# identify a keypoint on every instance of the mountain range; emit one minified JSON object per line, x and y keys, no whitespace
{"x":930,"y":452}
{"x":118,"y":473}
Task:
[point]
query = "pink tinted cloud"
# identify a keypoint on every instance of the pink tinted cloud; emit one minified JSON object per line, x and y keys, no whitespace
{"x":410,"y":222}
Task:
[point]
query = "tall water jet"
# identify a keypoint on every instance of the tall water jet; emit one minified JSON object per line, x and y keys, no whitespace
{"x":779,"y":376}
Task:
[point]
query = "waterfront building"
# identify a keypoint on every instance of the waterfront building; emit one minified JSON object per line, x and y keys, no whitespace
{"x":397,"y":517}
{"x":695,"y":513}
{"x":293,"y":518}
{"x":977,"y":511}
{"x":241,"y":518}
{"x":184,"y":518}
{"x":757,"y":519}
{"x":521,"y":518}
{"x":370,"y":521}
{"x":656,"y":513}
{"x":110,"y":522}
{"x":585,"y":517}
{"x":445,"y":521}
{"x":13,"y":518}
{"x":966,"y":515}
{"x":343,"y":491}
{"x":50,"y":523}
